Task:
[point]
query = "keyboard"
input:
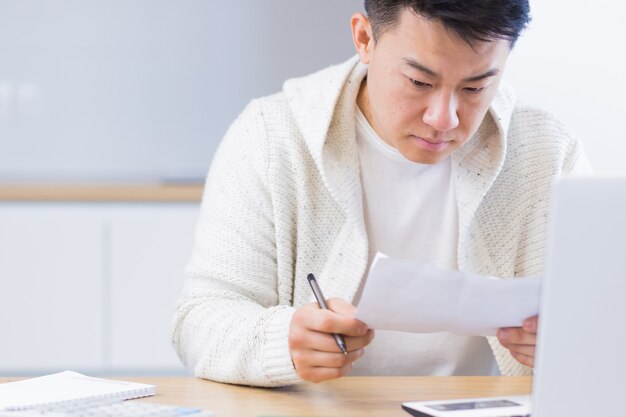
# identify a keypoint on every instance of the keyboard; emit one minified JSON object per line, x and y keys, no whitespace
{"x":111,"y":409}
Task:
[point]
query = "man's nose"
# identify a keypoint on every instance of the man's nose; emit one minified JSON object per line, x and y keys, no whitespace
{"x":441,"y":113}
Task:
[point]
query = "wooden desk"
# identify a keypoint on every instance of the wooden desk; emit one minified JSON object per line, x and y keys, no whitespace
{"x":350,"y":396}
{"x":101,"y":192}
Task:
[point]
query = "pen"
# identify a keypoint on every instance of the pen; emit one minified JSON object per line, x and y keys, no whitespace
{"x":321,"y":301}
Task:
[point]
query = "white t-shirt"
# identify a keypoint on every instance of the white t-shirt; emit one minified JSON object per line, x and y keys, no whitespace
{"x":411,"y":212}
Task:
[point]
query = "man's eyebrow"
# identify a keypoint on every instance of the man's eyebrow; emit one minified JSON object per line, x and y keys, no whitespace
{"x":422,"y":68}
{"x":490,"y":73}
{"x":413,"y":63}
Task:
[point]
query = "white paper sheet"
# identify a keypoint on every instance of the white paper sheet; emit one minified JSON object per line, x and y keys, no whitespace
{"x":412,"y":297}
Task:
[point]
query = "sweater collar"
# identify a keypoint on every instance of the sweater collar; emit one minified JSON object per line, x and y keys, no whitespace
{"x":314,"y":100}
{"x":324,"y":105}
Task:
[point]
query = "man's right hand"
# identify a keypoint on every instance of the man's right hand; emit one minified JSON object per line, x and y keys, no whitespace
{"x":314,"y":351}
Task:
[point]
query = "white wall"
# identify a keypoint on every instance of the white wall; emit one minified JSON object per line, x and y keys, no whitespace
{"x":123,"y":90}
{"x":572,"y":61}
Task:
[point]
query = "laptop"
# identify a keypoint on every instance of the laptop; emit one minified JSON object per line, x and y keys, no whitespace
{"x":580,"y":367}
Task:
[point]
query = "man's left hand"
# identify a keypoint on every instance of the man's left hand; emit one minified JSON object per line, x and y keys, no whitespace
{"x":521,"y":341}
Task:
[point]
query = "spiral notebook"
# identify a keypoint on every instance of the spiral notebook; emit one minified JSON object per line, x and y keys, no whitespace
{"x":69,"y":388}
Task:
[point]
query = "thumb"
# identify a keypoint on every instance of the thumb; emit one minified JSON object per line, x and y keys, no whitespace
{"x":341,"y":306}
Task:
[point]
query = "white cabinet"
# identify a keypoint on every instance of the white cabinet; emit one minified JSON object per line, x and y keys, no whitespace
{"x":51,"y":281}
{"x":91,"y":286}
{"x":149,"y":249}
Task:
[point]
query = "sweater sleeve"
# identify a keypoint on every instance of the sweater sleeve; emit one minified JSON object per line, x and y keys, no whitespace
{"x":229,"y":325}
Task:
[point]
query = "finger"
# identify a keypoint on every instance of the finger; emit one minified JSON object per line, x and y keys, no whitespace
{"x":516,"y":335}
{"x":319,"y":374}
{"x":359,"y":342}
{"x":341,"y":306}
{"x":325,"y":342}
{"x":527,"y":350}
{"x":328,"y":321}
{"x":524,"y":359}
{"x":531,"y":324}
{"x":314,"y":358}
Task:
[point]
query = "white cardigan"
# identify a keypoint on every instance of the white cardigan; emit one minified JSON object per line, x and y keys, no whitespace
{"x":283,"y":199}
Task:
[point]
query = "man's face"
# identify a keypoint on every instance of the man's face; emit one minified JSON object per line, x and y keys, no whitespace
{"x":427,"y":90}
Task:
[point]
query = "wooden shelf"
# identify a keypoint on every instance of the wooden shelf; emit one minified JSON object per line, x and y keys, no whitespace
{"x":102,"y":193}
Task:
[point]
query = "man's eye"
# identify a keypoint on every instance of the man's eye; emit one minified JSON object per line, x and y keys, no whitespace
{"x":474,"y":90}
{"x":419,"y":84}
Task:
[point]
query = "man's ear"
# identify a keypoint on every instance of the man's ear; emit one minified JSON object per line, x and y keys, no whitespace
{"x":362,"y":36}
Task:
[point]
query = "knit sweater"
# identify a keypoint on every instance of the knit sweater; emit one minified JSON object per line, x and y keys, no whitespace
{"x":283,"y":199}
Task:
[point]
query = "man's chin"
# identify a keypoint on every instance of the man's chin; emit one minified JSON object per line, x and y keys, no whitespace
{"x":420,"y":156}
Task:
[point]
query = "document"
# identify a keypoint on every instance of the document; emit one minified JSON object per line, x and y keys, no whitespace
{"x":409,"y":296}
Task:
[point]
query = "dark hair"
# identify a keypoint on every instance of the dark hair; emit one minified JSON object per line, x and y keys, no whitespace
{"x":471,"y":20}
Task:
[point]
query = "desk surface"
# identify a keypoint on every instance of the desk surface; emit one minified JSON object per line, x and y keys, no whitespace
{"x":101,"y":192}
{"x":350,"y":396}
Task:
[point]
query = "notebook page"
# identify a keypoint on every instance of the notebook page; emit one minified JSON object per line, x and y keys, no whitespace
{"x":67,"y":386}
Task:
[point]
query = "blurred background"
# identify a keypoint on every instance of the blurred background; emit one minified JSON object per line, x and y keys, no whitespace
{"x":125,"y":102}
{"x":143,"y":90}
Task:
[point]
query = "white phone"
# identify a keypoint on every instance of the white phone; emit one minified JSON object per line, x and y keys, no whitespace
{"x":515,"y":406}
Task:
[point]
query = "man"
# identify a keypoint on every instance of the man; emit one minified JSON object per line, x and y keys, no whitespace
{"x":413,"y":149}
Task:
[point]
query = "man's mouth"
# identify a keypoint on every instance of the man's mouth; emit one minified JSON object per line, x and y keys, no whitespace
{"x":431,"y":144}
